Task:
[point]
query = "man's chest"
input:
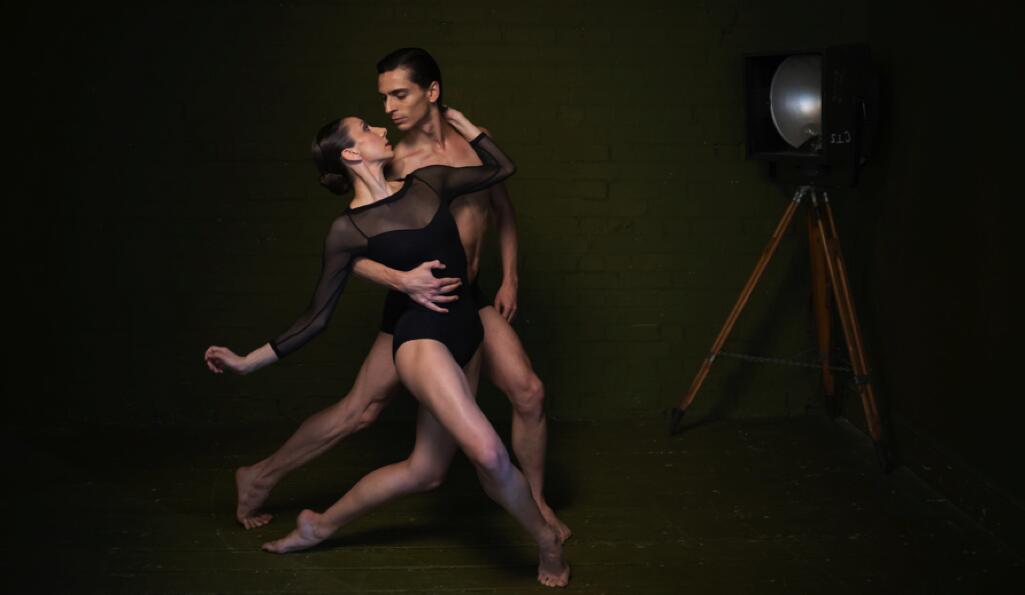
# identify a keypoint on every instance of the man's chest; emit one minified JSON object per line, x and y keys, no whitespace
{"x":452,"y":156}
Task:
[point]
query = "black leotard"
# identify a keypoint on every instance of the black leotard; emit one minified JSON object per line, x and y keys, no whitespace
{"x":407,"y":228}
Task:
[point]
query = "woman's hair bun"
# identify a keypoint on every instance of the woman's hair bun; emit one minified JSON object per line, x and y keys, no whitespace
{"x":331,"y":140}
{"x":337,"y":183}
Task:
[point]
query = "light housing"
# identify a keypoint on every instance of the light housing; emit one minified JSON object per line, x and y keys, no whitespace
{"x":812,"y":113}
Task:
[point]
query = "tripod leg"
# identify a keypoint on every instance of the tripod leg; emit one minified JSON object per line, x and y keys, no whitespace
{"x":849,"y":319}
{"x":855,"y":325}
{"x":820,"y":308}
{"x":727,"y":328}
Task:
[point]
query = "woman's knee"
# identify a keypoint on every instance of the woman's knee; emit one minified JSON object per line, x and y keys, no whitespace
{"x":490,"y":458}
{"x":427,"y":477}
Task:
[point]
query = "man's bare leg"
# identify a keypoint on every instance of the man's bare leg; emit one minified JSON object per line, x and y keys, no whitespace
{"x":424,"y":470}
{"x":507,"y":366}
{"x":375,"y":383}
{"x":429,"y":372}
{"x":448,"y":416}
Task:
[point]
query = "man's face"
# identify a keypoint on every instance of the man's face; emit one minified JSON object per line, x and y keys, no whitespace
{"x":405,"y":102}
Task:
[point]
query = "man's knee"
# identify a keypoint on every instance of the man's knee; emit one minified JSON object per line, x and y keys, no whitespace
{"x":371,"y":413}
{"x":528,"y":397}
{"x":358,"y":410}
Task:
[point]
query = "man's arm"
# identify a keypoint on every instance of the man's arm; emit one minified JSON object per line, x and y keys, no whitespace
{"x":419,"y":284}
{"x":509,"y":246}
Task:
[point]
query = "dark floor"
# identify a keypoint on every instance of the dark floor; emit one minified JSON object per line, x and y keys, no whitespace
{"x":790,"y":506}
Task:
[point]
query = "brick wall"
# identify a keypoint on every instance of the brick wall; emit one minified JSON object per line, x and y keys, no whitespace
{"x":190,"y":213}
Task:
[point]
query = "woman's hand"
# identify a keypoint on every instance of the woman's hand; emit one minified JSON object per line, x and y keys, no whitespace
{"x":454,"y":116}
{"x":220,"y":358}
{"x":461,"y":123}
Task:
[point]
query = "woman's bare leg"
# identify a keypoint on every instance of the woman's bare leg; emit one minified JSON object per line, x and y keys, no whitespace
{"x":427,"y":369}
{"x":424,"y":470}
{"x":374,"y":385}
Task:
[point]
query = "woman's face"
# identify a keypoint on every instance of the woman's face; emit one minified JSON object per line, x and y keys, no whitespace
{"x":371,"y":142}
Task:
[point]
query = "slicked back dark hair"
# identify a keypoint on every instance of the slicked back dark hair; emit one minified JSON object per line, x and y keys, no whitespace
{"x":423,"y":70}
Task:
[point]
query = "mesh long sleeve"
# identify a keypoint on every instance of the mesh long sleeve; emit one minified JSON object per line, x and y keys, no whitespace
{"x":451,"y":182}
{"x":413,"y":207}
{"x":343,"y":243}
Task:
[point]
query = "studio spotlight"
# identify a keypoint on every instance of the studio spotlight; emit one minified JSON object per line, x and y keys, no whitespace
{"x":795,"y":101}
{"x":810,"y":115}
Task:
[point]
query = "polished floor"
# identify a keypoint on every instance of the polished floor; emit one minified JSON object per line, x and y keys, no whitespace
{"x":784,"y":506}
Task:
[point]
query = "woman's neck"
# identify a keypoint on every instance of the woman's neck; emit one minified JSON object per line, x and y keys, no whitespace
{"x":369,"y":183}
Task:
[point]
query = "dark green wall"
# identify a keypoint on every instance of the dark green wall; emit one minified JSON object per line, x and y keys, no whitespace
{"x":931,"y":240}
{"x":166,"y":201}
{"x":189,"y":212}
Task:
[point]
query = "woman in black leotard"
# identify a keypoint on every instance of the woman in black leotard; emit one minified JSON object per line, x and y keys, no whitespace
{"x":402,"y":224}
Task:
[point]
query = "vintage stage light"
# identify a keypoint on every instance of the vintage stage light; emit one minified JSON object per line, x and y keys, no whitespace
{"x":809,"y":114}
{"x":795,"y":100}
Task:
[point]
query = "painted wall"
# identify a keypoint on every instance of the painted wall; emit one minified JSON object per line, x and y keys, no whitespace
{"x":174,"y":205}
{"x":164,"y":200}
{"x":931,"y":247}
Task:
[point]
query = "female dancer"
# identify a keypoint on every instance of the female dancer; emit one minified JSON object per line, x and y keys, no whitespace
{"x":402,"y":224}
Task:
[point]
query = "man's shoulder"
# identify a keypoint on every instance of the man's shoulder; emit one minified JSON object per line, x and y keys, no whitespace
{"x":459,"y":153}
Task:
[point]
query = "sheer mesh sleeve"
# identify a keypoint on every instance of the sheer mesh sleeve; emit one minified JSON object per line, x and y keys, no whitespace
{"x":451,"y":182}
{"x":343,"y":243}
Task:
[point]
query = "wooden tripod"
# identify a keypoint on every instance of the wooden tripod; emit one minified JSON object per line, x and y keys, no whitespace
{"x":827,"y":270}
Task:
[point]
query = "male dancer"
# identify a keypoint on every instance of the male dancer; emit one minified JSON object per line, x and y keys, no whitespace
{"x":409,"y":82}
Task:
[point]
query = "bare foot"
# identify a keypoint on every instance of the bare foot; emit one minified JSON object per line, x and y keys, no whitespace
{"x":552,"y":569}
{"x":307,"y":534}
{"x":251,"y":495}
{"x":562,"y":531}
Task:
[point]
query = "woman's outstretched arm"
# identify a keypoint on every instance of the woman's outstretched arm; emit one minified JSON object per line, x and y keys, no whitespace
{"x":219,"y":359}
{"x":343,"y":242}
{"x":450,"y":182}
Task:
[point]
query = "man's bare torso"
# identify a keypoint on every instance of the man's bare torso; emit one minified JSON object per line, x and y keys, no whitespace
{"x":470,"y":211}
